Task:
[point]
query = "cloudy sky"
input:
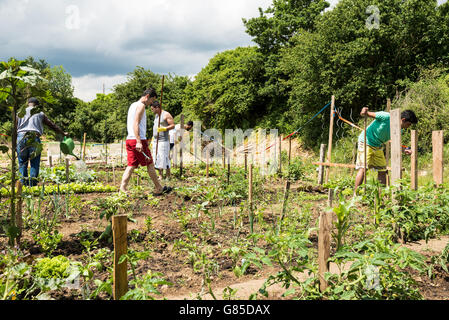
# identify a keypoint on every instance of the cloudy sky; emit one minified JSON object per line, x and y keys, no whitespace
{"x":99,"y":42}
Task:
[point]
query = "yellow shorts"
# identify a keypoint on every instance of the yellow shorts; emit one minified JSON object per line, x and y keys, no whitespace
{"x":375,"y":158}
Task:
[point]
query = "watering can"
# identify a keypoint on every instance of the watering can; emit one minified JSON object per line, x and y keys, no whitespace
{"x":67,"y":145}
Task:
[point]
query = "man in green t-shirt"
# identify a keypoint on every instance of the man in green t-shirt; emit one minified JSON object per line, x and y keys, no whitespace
{"x":377,"y":134}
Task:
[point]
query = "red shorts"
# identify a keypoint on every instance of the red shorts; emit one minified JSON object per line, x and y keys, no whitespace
{"x":136,"y":158}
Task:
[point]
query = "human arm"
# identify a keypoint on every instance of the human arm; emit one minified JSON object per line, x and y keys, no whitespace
{"x":170,"y":121}
{"x":366,"y":113}
{"x":139,"y":114}
{"x":54,"y":127}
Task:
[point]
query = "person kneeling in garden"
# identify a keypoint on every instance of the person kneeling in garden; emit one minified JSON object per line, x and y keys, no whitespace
{"x":137,"y":143}
{"x":377,"y":134}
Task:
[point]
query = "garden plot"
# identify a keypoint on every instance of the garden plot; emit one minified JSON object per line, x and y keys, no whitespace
{"x":202,"y":241}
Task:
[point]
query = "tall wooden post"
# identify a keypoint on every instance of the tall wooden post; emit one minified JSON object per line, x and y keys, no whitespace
{"x":19,"y":218}
{"x":207,"y":163}
{"x":365,"y":150}
{"x":250,"y":187}
{"x":414,"y":161}
{"x":229,"y":168}
{"x":323,"y":248}
{"x":120,"y":274}
{"x":84,"y":146}
{"x":50,"y":160}
{"x":280,"y":154}
{"x":321,"y":168}
{"x":331,"y":133}
{"x":289,"y":151}
{"x":67,"y":169}
{"x":388,"y":144}
{"x":437,"y":148}
{"x":181,"y":146}
{"x":396,"y":146}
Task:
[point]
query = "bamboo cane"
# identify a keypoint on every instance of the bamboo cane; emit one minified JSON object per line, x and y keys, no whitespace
{"x":159,"y":124}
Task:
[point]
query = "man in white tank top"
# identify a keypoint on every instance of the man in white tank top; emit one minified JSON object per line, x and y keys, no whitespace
{"x":137,"y":143}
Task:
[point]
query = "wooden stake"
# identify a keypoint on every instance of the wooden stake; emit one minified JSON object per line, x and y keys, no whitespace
{"x":280,"y":154}
{"x":321,"y":168}
{"x":437,"y":148}
{"x":396,"y":146}
{"x":207,"y":163}
{"x":414,"y":160}
{"x":323,"y":249}
{"x":284,"y":203}
{"x":289,"y":151}
{"x":19,"y":218}
{"x":250,"y":185}
{"x":120,"y":274}
{"x":331,"y":133}
{"x":50,"y":160}
{"x":365,"y":150}
{"x":388,"y":144}
{"x":180,"y":148}
{"x":160,"y":115}
{"x":229,"y":168}
{"x":84,"y":146}
{"x":67,"y":169}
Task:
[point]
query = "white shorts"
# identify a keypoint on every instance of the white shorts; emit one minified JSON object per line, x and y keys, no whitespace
{"x":162,"y":161}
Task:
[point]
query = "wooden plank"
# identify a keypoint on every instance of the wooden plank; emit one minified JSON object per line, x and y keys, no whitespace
{"x":437,"y":148}
{"x":331,"y":134}
{"x":414,"y":161}
{"x":323,"y":248}
{"x":321,"y":168}
{"x":120,"y":273}
{"x":396,"y":146}
{"x":289,"y":151}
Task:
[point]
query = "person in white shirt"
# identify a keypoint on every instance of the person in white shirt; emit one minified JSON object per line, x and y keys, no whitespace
{"x":137,"y":143}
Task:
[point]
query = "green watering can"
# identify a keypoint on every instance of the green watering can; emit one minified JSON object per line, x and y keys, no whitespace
{"x":67,"y":145}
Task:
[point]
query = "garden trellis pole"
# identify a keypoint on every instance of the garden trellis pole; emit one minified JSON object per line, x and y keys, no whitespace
{"x":182,"y":144}
{"x":323,"y":248}
{"x":160,"y":115}
{"x":414,"y":160}
{"x":437,"y":148}
{"x":396,"y":146}
{"x":331,"y":133}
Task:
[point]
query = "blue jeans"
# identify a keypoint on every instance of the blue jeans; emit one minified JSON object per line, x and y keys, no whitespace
{"x":24,"y":155}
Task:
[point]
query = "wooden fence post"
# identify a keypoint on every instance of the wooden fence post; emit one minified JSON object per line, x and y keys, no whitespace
{"x":67,"y":169}
{"x":19,"y":218}
{"x":84,"y":146}
{"x":331,"y":133}
{"x":414,"y":160}
{"x":396,"y":146}
{"x":321,"y":168}
{"x":120,"y":273}
{"x":323,"y":248}
{"x":437,"y":148}
{"x":280,"y":154}
{"x":180,"y":148}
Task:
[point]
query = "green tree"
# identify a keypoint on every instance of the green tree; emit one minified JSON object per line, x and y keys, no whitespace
{"x":361,"y":66}
{"x":225,"y":94}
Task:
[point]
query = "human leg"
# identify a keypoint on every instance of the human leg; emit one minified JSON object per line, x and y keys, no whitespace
{"x":153,"y":176}
{"x":126,"y":177}
{"x":34,"y":166}
{"x":23,"y":158}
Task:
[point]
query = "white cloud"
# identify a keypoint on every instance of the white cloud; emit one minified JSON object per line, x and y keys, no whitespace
{"x":104,"y":38}
{"x":87,"y":86}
